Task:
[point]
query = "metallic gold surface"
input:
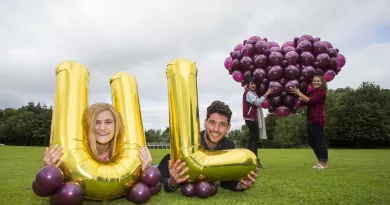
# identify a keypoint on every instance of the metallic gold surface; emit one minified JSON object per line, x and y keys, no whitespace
{"x":101,"y":181}
{"x":219,"y":165}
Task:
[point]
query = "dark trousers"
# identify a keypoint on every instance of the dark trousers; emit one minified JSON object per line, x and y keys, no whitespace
{"x":316,"y":139}
{"x":254,"y":136}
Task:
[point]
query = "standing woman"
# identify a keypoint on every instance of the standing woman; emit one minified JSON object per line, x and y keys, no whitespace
{"x":316,"y":119}
{"x":253,"y":115}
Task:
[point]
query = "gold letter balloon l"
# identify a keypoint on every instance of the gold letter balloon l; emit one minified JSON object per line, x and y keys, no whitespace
{"x":221,"y":165}
{"x":100,"y":181}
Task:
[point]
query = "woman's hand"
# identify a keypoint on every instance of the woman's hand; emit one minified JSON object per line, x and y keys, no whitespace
{"x":146,"y":157}
{"x":270,"y":90}
{"x":51,"y":156}
{"x":295,"y":90}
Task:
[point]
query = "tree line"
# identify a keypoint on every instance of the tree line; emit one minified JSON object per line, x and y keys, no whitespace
{"x":356,"y":118}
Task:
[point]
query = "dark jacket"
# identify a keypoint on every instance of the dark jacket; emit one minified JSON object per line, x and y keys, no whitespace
{"x":224,"y":144}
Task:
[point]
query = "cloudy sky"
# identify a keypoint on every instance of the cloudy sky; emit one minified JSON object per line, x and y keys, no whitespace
{"x":142,"y":37}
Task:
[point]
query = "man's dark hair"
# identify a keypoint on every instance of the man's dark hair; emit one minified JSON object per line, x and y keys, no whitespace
{"x":220,"y":108}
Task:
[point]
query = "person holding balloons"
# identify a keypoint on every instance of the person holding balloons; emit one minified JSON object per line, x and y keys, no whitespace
{"x":253,"y":114}
{"x":103,"y":124}
{"x":316,"y":119}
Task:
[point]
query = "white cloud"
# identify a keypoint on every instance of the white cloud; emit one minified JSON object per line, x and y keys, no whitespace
{"x":143,"y":37}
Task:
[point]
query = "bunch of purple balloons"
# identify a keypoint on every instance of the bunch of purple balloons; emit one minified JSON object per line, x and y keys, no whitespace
{"x":150,"y":185}
{"x":201,"y":189}
{"x":49,"y":181}
{"x":293,"y":64}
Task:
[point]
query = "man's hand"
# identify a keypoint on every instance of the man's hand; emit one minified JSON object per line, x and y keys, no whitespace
{"x":176,"y":176}
{"x":246,"y":183}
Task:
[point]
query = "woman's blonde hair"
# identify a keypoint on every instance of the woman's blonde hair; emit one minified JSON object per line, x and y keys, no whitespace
{"x":89,"y":121}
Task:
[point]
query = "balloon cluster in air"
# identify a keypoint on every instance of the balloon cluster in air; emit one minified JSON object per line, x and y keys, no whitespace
{"x":201,"y":189}
{"x":49,"y":181}
{"x":293,"y":64}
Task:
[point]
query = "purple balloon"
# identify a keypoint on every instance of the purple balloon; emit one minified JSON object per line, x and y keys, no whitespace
{"x":275,"y":73}
{"x":203,"y":189}
{"x":275,"y":58}
{"x":151,"y":176}
{"x":304,"y":46}
{"x":319,"y":71}
{"x":300,"y":40}
{"x":282,"y":80}
{"x":228,"y":63}
{"x":275,"y":49}
{"x":68,"y":193}
{"x":261,"y":61}
{"x":333,"y":64}
{"x":247,"y":74}
{"x":288,"y":101}
{"x":236,"y":65}
{"x":272,"y":44}
{"x":248,"y":50}
{"x":235,"y":54}
{"x":156,"y":189}
{"x":306,"y":36}
{"x":284,"y":63}
{"x":49,"y":179}
{"x":292,"y":57}
{"x":308,"y":72}
{"x":278,"y":86}
{"x":313,"y":40}
{"x":287,"y":49}
{"x":246,"y":62}
{"x":304,"y":86}
{"x":282,"y":111}
{"x":329,"y":75}
{"x":213,"y":189}
{"x":332,"y":53}
{"x":288,"y":43}
{"x":238,"y":76}
{"x":340,"y":60}
{"x":139,"y":193}
{"x":238,"y":47}
{"x":188,"y":189}
{"x":276,"y":101}
{"x":259,"y":74}
{"x":320,"y":47}
{"x":291,"y":72}
{"x":290,"y":84}
{"x":252,"y":40}
{"x":261,"y":89}
{"x":306,"y":58}
{"x":298,"y":103}
{"x":261,"y":47}
{"x":266,"y":104}
{"x":40,"y":192}
{"x":328,"y":45}
{"x":323,"y":60}
{"x":255,"y":38}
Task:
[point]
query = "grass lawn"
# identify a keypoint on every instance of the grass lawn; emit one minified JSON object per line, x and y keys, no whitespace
{"x":354,"y":177}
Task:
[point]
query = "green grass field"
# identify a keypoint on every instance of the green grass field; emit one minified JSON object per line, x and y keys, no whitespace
{"x":354,"y":177}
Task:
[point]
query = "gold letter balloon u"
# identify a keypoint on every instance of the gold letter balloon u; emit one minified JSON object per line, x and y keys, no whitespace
{"x":221,"y":165}
{"x":100,"y":181}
